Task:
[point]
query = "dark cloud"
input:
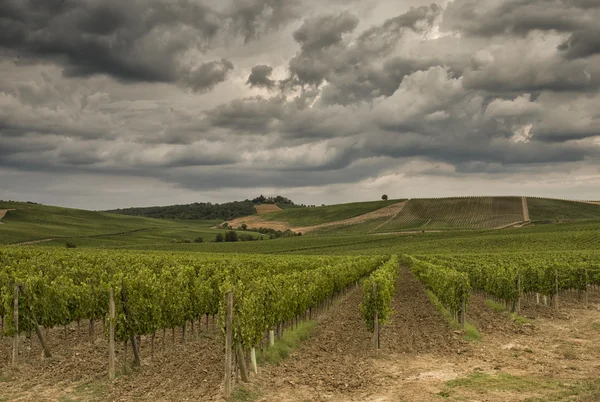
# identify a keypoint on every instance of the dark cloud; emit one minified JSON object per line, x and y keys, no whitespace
{"x":205,"y":77}
{"x":322,"y":32}
{"x":498,"y":89}
{"x":259,"y":77}
{"x":254,"y":17}
{"x":518,"y":17}
{"x":132,"y":41}
{"x":581,"y":44}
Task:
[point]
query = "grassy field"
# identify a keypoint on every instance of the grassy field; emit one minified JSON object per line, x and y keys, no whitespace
{"x":104,"y":230}
{"x":541,"y":209}
{"x":31,"y":222}
{"x":329,"y":213}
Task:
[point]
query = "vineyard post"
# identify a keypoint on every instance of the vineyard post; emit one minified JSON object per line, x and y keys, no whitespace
{"x":92,"y":332}
{"x":136,"y":355}
{"x":375,"y":320}
{"x":111,"y":337}
{"x":16,"y":321}
{"x":519,"y":293}
{"x":241,"y":358}
{"x":271,"y":337}
{"x":556,"y":289}
{"x":228,"y":339}
{"x":253,"y":360}
{"x":587,"y":285}
{"x":463,"y":312}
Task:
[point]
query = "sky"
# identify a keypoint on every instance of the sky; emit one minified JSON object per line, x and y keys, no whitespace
{"x":111,"y":103}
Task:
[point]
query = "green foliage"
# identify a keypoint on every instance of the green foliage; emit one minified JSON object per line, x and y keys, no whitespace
{"x":544,"y":209}
{"x":378,"y":290}
{"x":195,"y":211}
{"x":451,"y":287}
{"x":290,"y":340}
{"x":166,"y":290}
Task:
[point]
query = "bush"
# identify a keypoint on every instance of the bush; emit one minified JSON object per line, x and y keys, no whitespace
{"x":219,"y":238}
{"x":70,"y":245}
{"x":244,"y":226}
{"x":231,"y":236}
{"x":198,"y":240}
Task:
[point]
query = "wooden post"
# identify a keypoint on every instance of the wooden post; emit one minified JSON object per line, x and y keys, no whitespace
{"x":463,"y":312}
{"x":136,"y":355}
{"x":241,"y":358}
{"x":228,"y":339}
{"x":518,"y":294}
{"x":92,"y":332}
{"x":111,"y":337}
{"x":556,"y":289}
{"x":271,"y":337}
{"x":253,"y":360}
{"x":375,"y":321}
{"x":38,"y":331}
{"x":587,"y":286}
{"x":16,"y":323}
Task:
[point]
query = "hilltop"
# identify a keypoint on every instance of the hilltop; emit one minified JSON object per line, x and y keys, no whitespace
{"x":208,"y":210}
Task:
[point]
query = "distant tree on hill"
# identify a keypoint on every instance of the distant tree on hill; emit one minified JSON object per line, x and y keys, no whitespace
{"x":384,"y":197}
{"x":219,"y":238}
{"x":244,"y":226}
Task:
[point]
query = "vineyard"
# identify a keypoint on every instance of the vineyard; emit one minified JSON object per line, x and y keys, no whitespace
{"x":252,"y":300}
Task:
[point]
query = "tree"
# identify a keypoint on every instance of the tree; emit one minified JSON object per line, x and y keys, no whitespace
{"x":384,"y":197}
{"x":244,"y":226}
{"x":219,"y":238}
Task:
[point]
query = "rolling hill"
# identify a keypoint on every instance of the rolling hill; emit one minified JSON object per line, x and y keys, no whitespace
{"x":27,"y":222}
{"x":432,"y":214}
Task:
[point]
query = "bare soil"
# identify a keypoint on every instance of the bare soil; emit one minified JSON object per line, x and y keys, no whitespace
{"x":266,"y":208}
{"x":420,"y":353}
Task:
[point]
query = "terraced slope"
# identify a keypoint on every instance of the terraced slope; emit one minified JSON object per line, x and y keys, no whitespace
{"x":456,"y":213}
{"x":544,"y":209}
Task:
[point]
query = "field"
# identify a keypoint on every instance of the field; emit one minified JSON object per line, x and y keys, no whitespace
{"x":461,"y":311}
{"x":543,"y":209}
{"x":33,"y":223}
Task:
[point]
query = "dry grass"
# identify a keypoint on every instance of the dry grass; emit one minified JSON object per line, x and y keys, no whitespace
{"x":266,"y":208}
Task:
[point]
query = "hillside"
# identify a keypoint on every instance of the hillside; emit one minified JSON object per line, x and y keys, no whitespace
{"x":301,"y":218}
{"x":326,"y":214}
{"x":31,"y":222}
{"x":210,"y":211}
{"x":545,"y":209}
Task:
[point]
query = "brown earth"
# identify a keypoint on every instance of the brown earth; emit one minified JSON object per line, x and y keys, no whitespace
{"x":266,"y":208}
{"x":419,"y":354}
{"x":256,"y":222}
{"x":3,"y":213}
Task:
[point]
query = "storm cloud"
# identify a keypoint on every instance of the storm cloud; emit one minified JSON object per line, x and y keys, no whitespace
{"x":322,"y":102}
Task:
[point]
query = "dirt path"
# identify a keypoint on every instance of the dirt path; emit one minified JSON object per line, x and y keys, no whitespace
{"x":525,"y":209}
{"x":24,"y":243}
{"x":338,"y":363}
{"x":3,"y":213}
